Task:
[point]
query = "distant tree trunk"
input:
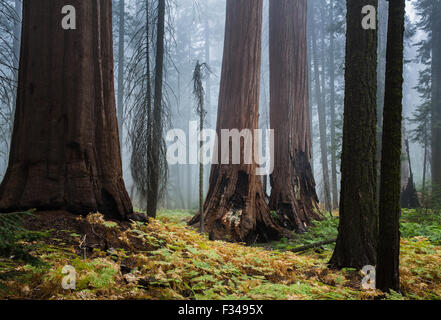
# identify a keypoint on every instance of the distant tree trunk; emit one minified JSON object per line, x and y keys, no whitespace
{"x":157,"y":127}
{"x":65,"y":152}
{"x":207,"y":55}
{"x":198,"y":92}
{"x":382,"y":14}
{"x":235,"y":207}
{"x":424,"y":170}
{"x":409,"y":195}
{"x":148,"y":97}
{"x":332,"y":107}
{"x":179,"y":189}
{"x":16,"y":45}
{"x":436,"y":99}
{"x":405,"y":172}
{"x":201,"y":173}
{"x":322,"y":121}
{"x":293,"y":194}
{"x":121,"y":71}
{"x":357,"y":238}
{"x":309,"y":20}
{"x":388,"y":256}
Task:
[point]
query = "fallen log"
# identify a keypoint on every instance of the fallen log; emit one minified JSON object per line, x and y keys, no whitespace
{"x":313,"y":245}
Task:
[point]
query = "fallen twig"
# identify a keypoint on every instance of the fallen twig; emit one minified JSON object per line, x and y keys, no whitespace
{"x":313,"y":245}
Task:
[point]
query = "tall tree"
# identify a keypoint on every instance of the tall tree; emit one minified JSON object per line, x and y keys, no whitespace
{"x":388,"y":255}
{"x":140,"y":92}
{"x":16,"y":43}
{"x":422,"y":135}
{"x":332,"y":106}
{"x":357,"y":237}
{"x":430,"y":80}
{"x":293,"y":194}
{"x":235,"y":206}
{"x":199,"y":93}
{"x":154,"y":148}
{"x":436,"y":97}
{"x":319,"y":92}
{"x":65,"y":152}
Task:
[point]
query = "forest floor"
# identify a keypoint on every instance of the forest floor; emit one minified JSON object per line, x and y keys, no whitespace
{"x":167,"y":260}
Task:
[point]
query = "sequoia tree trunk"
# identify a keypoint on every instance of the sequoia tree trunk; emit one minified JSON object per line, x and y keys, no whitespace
{"x":65,"y":152}
{"x":235,"y":207}
{"x":357,"y":237}
{"x":293,"y":194}
{"x":388,"y":256}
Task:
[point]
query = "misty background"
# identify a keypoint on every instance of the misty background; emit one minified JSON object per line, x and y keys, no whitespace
{"x":195,"y":32}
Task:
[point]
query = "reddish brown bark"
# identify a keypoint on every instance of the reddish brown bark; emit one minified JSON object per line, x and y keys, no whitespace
{"x":65,"y":152}
{"x":235,"y":207}
{"x":293,"y":193}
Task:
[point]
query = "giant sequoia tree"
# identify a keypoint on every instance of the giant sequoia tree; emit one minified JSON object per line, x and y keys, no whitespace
{"x":65,"y":152}
{"x":390,"y":186}
{"x":357,"y":236}
{"x":235,"y":206}
{"x":293,"y":193}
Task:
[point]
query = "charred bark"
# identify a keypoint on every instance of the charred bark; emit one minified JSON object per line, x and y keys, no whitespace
{"x":293,"y":194}
{"x":235,"y":207}
{"x":409,"y":194}
{"x":65,"y":152}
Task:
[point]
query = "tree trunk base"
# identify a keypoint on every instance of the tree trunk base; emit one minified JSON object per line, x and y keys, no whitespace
{"x":409,"y":196}
{"x":293,"y":195}
{"x":236,"y":210}
{"x":80,"y":197}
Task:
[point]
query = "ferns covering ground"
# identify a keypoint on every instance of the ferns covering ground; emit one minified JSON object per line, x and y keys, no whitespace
{"x":166,"y":260}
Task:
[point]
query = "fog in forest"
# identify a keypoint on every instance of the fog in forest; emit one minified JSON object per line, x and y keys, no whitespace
{"x":195,"y":33}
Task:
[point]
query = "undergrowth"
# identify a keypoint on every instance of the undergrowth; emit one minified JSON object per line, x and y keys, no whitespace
{"x":15,"y":240}
{"x":166,"y":260}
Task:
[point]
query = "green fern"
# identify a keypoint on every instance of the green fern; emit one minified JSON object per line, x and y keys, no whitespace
{"x":11,"y":232}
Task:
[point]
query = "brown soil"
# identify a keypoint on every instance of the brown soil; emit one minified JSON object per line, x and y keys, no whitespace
{"x":93,"y":234}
